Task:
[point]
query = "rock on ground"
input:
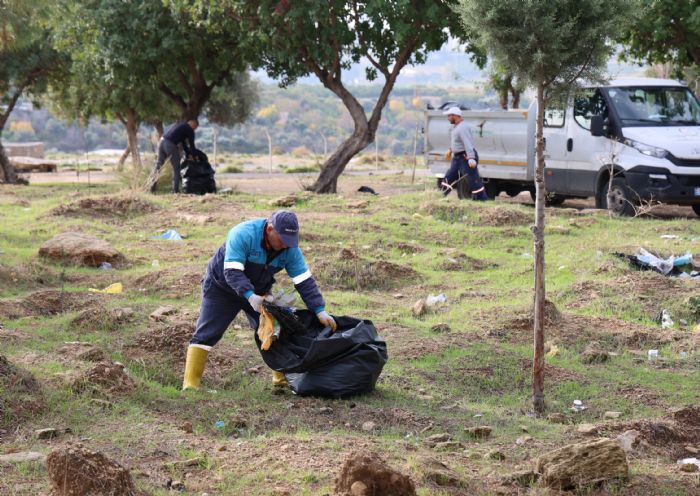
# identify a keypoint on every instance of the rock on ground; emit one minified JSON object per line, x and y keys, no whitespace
{"x":77,"y":471}
{"x":433,"y":470}
{"x":80,"y":249}
{"x":581,"y":464}
{"x":366,"y":474}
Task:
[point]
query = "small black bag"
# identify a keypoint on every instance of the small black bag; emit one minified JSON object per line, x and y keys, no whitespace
{"x":198,"y":175}
{"x":319,"y":362}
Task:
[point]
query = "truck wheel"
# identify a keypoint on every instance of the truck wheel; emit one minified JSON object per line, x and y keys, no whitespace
{"x":492,"y":189}
{"x":696,"y":209}
{"x":620,"y":201}
{"x":550,"y":200}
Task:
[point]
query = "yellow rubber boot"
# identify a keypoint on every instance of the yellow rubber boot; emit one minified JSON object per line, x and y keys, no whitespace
{"x":194,"y":365}
{"x":278,"y":379}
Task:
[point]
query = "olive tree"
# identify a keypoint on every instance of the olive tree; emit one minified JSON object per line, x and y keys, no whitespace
{"x":548,"y":45}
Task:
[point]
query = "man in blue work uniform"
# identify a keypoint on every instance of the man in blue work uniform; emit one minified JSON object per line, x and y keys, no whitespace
{"x":240,"y":276}
{"x":181,"y":134}
{"x":463,"y":165}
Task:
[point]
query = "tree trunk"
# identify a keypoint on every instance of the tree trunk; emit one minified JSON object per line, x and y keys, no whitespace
{"x":269,"y":147}
{"x":122,"y":158}
{"x":515,"y":94}
{"x":7,"y":171}
{"x":158,"y":126}
{"x":327,"y":181}
{"x":503,"y":98}
{"x":538,"y":358}
{"x":132,"y":127}
{"x":8,"y":174}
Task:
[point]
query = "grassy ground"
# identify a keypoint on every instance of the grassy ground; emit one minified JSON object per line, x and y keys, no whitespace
{"x":373,"y":257}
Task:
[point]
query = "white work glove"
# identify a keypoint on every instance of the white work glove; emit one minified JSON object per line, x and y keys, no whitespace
{"x":472,"y":163}
{"x":256,"y":301}
{"x":325,"y":319}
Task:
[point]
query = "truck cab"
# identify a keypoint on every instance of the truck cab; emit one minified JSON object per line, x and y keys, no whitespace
{"x":630,"y":142}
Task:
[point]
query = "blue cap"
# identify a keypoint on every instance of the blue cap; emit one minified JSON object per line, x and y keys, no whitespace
{"x":287,"y":226}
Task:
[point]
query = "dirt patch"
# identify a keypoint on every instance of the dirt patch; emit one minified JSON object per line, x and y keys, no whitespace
{"x":76,"y":471}
{"x":106,"y":206}
{"x":105,"y":378}
{"x":502,"y":216}
{"x":21,"y":396}
{"x":407,"y":248}
{"x":346,"y":270}
{"x":99,"y":318}
{"x":554,"y":374}
{"x":82,"y":351}
{"x":460,"y":261}
{"x":30,"y":275}
{"x":405,"y":344}
{"x":168,"y":339}
{"x":43,"y":303}
{"x":365,"y":474}
{"x":472,"y":214}
{"x":177,"y":283}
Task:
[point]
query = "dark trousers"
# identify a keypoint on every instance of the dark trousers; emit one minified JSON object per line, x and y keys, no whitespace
{"x":169,"y":150}
{"x":219,"y":308}
{"x":460,"y":170}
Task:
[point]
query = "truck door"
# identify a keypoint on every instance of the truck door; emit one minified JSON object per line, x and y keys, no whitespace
{"x":555,"y":146}
{"x":583,"y":150}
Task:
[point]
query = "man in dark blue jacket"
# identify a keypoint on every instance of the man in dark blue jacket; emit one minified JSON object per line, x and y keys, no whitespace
{"x":181,"y":134}
{"x":240,"y":276}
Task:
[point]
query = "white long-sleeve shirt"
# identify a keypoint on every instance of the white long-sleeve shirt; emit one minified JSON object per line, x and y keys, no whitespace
{"x":462,"y":140}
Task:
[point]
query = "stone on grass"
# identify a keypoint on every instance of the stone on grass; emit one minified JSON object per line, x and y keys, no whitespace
{"x":80,"y":249}
{"x":628,"y":440}
{"x":479,"y":432}
{"x":160,"y":313}
{"x":582,"y":464}
{"x":612,"y":415}
{"x":594,"y":353}
{"x":437,"y":438}
{"x":374,"y":476}
{"x":440,"y":328}
{"x":23,"y":456}
{"x":448,"y":446}
{"x":419,"y":308}
{"x":369,"y":426}
{"x":435,"y":471}
{"x":558,"y":418}
{"x":587,"y":429}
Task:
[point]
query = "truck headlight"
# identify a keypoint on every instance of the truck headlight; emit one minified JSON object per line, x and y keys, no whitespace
{"x":649,"y":150}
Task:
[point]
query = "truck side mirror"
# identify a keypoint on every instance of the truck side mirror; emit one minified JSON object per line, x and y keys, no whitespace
{"x":597,"y":125}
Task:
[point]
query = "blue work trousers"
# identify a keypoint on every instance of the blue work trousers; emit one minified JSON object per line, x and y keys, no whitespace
{"x":460,"y":170}
{"x":219,"y":308}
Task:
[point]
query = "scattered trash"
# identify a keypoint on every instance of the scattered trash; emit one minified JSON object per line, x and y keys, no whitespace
{"x":653,"y":354}
{"x":669,"y":236}
{"x":666,"y":321}
{"x":105,"y":266}
{"x":220,"y":424}
{"x":367,"y":189}
{"x":170,"y":234}
{"x":689,"y":464}
{"x":683,"y":266}
{"x":226,"y":191}
{"x":553,"y":350}
{"x":155,"y":263}
{"x":115,"y":288}
{"x":432,"y":300}
{"x":683,"y":354}
{"x":578,"y":406}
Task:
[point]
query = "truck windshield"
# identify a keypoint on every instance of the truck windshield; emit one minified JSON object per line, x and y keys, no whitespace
{"x":655,"y":106}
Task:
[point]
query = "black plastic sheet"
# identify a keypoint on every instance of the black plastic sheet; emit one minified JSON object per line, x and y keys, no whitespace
{"x":320,"y":362}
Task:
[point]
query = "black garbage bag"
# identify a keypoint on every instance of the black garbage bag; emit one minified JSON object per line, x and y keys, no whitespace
{"x":319,"y":362}
{"x":198,"y":175}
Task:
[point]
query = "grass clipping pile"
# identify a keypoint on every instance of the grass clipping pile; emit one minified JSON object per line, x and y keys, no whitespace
{"x":21,"y":394}
{"x":109,"y":206}
{"x":77,"y":471}
{"x":346,"y":270}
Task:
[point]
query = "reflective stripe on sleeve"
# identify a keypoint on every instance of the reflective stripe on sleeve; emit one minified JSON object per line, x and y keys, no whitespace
{"x":301,"y":277}
{"x":234,"y":265}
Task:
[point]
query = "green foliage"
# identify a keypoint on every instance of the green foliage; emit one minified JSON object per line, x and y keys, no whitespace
{"x":550,"y":43}
{"x":665,"y":31}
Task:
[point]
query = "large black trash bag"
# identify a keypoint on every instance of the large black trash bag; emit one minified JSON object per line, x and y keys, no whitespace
{"x":320,"y":362}
{"x":198,"y":175}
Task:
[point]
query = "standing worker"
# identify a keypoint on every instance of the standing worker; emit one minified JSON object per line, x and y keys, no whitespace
{"x":240,"y":276}
{"x":168,"y":149}
{"x":464,"y":157}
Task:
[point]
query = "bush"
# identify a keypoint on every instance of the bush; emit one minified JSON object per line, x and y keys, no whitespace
{"x":301,"y":169}
{"x":231,"y":169}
